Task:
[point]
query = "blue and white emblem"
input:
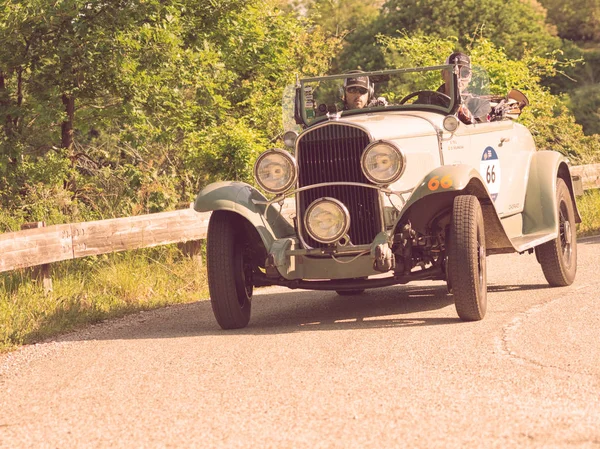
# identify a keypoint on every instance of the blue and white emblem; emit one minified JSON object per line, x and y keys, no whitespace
{"x":489,"y":168}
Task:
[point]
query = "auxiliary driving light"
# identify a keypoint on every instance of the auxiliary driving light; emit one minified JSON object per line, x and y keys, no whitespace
{"x":382,"y":162}
{"x":275,"y":171}
{"x":327,"y":220}
{"x":450,"y":123}
{"x":289,"y":138}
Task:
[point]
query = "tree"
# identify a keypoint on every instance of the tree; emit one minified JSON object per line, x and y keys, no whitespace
{"x":551,"y":123}
{"x":341,"y":17}
{"x":515,"y":25}
{"x":576,"y":20}
{"x":138,"y":103}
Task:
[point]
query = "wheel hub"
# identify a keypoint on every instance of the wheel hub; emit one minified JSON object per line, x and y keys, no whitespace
{"x":480,"y":261}
{"x":567,"y":231}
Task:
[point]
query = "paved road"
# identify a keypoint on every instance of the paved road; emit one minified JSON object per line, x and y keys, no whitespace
{"x":390,"y":368}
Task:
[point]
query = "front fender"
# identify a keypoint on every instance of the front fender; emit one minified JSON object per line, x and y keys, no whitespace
{"x":540,"y":208}
{"x":433,"y":198}
{"x":444,"y":179}
{"x":239,"y":197}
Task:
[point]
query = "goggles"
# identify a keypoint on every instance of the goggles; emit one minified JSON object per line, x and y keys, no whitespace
{"x":464,"y":71}
{"x":356,"y":90}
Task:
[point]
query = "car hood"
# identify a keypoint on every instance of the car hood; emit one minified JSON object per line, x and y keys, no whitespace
{"x":400,"y":124}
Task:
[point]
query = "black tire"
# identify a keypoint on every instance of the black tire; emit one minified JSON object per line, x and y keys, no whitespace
{"x":349,"y":292}
{"x":558,"y":257}
{"x":467,"y":259}
{"x":229,"y":267}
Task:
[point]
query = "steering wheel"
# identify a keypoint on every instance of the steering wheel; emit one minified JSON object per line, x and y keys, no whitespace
{"x":425,"y":97}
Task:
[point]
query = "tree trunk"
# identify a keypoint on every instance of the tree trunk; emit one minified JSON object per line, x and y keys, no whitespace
{"x":4,"y":104}
{"x":67,"y":125}
{"x":19,"y":86}
{"x":19,"y":98}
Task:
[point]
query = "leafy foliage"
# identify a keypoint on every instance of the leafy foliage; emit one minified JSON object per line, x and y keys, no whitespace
{"x":552,"y":124}
{"x":585,"y":104}
{"x":517,"y":26}
{"x":576,"y":20}
{"x":131,"y":107}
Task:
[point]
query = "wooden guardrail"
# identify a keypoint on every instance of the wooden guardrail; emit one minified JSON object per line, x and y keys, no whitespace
{"x":55,"y":243}
{"x":589,"y":174}
{"x":70,"y":241}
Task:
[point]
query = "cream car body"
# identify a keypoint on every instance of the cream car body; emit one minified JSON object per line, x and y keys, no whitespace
{"x":460,"y":192}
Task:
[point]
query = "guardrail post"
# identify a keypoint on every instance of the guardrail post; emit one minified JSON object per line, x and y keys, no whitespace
{"x":577,"y":185}
{"x":40,"y":272}
{"x":193,"y":250}
{"x":190,"y":248}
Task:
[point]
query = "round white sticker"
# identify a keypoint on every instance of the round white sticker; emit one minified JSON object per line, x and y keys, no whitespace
{"x":489,"y":168}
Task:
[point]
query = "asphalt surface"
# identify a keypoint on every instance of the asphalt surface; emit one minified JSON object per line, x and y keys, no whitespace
{"x":390,"y":368}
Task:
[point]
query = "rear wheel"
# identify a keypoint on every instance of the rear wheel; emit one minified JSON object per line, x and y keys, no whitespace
{"x":229,"y":267}
{"x":467,"y":272}
{"x":558,"y":257}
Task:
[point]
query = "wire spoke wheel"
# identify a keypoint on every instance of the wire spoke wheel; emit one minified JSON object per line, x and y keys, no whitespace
{"x":558,"y":257}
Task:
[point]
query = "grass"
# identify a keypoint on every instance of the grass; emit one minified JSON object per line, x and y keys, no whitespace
{"x":94,"y":289}
{"x":589,"y":209}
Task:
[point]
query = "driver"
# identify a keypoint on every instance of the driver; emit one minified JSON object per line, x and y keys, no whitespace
{"x":472,"y":109}
{"x":359,"y":92}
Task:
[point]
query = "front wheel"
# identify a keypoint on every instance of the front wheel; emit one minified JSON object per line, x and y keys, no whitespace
{"x":229,"y":267}
{"x":467,"y":272}
{"x":558,"y":257}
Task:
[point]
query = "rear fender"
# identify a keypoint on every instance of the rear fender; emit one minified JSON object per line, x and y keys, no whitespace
{"x":239,"y":197}
{"x":540,"y":209}
{"x":434,"y":196}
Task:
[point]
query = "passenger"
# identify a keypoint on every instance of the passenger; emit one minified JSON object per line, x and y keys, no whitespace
{"x":473,"y":109}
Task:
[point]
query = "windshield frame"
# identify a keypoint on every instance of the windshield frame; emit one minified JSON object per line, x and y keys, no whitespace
{"x":301,"y":99}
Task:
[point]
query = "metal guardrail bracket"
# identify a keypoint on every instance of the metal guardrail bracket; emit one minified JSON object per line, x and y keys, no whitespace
{"x":577,"y":185}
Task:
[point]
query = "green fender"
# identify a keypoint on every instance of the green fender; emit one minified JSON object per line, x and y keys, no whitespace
{"x":540,"y":209}
{"x":447,"y":178}
{"x":434,"y":196}
{"x":239,"y":197}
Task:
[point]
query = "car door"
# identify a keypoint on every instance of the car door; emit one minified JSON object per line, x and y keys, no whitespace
{"x":501,"y":152}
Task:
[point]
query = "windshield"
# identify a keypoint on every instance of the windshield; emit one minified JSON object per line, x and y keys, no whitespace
{"x":425,"y":89}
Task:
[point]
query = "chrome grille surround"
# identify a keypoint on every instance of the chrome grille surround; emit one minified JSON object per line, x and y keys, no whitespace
{"x":331,"y":153}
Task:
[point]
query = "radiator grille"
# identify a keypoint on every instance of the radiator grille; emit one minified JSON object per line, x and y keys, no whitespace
{"x":331,"y":153}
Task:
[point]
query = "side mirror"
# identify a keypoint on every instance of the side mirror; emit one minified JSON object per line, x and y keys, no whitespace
{"x":519,"y":97}
{"x":513,"y":105}
{"x":516,"y":102}
{"x":509,"y":107}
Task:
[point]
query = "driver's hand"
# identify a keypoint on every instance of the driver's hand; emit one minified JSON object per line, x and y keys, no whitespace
{"x":464,"y":115}
{"x":381,"y":101}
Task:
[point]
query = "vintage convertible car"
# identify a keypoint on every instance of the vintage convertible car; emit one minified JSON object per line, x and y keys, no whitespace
{"x":395,"y":191}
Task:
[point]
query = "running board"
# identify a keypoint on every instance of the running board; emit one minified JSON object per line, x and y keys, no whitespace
{"x":530,"y":241}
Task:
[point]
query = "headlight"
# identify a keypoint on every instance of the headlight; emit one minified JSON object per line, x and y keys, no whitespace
{"x":327,"y":220}
{"x":382,"y":162}
{"x":275,"y":171}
